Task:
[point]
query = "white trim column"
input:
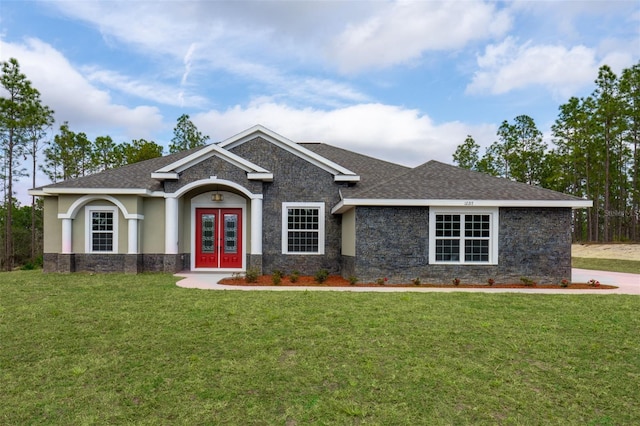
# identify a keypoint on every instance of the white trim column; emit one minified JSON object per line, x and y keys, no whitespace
{"x":67,"y":237}
{"x":133,"y":236}
{"x":171,"y":225}
{"x":256,"y":226}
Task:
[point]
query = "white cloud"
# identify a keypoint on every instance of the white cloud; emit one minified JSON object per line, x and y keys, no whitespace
{"x":389,"y":132}
{"x":71,"y":95}
{"x":155,"y":92}
{"x":402,"y":31}
{"x":508,"y":66}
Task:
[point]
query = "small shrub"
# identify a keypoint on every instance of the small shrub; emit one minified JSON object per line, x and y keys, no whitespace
{"x":382,"y":281}
{"x":353,"y":280}
{"x":491,"y":281}
{"x":251,"y":276}
{"x":321,"y":276}
{"x":564,"y":283}
{"x":416,"y":281}
{"x":528,"y":282}
{"x":28,"y":266}
{"x":293,"y":276}
{"x":456,"y":281}
{"x":276,"y":277}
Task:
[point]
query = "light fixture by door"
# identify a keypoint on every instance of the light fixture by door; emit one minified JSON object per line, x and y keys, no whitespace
{"x":216,"y":196}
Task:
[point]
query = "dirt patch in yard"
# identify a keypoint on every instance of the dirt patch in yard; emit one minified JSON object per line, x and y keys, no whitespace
{"x":607,"y":251}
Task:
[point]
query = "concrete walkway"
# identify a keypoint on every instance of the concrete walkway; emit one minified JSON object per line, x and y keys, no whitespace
{"x":627,"y":284}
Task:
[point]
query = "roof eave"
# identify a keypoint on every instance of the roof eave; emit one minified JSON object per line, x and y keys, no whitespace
{"x":164,"y":176}
{"x":47,"y":191}
{"x":346,"y":178}
{"x":265,"y":177}
{"x":348,"y":203}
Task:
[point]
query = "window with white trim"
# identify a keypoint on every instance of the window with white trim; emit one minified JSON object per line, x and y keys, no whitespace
{"x":463,"y":236}
{"x":303,"y":228}
{"x":101,"y":229}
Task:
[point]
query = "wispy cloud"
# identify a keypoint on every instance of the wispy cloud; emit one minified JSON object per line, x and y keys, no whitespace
{"x":156,"y":92}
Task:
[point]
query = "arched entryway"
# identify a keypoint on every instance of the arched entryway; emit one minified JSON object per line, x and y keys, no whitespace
{"x":218,"y":231}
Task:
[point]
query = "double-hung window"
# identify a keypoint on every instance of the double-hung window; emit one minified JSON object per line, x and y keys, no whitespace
{"x":101,"y":229}
{"x":303,"y":228}
{"x":463,"y":236}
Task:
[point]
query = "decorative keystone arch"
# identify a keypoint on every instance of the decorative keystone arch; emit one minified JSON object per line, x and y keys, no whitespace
{"x":73,"y":210}
{"x":215,"y":181}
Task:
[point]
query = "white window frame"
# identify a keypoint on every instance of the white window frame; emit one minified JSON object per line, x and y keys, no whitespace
{"x":493,"y":233}
{"x":88,"y":232}
{"x":285,"y":226}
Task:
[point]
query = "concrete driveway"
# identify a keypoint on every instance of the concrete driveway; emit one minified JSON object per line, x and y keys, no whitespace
{"x":626,"y":283}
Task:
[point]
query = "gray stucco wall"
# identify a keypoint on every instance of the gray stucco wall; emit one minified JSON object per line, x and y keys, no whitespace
{"x":393,"y":243}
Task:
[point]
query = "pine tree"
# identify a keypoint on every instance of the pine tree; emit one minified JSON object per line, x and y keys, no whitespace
{"x":186,"y":136}
{"x":21,"y":114}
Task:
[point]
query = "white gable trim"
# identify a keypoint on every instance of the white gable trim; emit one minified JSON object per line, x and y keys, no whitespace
{"x":348,"y":203}
{"x":171,"y":171}
{"x":340,"y":173}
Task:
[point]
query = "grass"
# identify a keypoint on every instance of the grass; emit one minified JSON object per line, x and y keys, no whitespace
{"x":614,"y":265}
{"x":115,"y":349}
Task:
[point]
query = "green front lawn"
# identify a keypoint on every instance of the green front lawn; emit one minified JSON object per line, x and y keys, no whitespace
{"x":115,"y":349}
{"x":615,"y":265}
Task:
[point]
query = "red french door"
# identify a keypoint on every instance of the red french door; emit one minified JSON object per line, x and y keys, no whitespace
{"x":218,"y":238}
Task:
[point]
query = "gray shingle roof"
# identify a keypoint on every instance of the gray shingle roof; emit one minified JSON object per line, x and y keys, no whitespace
{"x":372,"y":171}
{"x":379,"y":179}
{"x":132,"y":176}
{"x":438,"y":181}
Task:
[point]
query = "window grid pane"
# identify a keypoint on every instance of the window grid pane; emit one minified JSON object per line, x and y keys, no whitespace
{"x":303,"y":229}
{"x":447,"y":225}
{"x":476,"y":250}
{"x":457,"y":232}
{"x":447,"y":250}
{"x":476,"y":225}
{"x":101,"y":231}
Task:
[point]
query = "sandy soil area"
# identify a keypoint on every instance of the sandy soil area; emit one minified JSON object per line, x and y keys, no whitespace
{"x":607,"y":251}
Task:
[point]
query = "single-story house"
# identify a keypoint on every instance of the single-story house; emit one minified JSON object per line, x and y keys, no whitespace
{"x":263,"y":202}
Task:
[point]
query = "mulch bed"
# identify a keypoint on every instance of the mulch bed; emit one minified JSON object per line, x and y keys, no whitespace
{"x":338,"y":281}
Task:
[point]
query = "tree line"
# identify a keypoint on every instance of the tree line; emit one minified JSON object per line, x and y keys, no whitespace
{"x":594,"y":155}
{"x":25,"y":122}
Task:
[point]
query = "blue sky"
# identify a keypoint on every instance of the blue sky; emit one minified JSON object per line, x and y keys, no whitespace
{"x":405,"y":81}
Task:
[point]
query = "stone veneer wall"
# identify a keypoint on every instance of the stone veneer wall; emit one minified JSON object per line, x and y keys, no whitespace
{"x":295,"y":180}
{"x":390,"y":243}
{"x":119,"y":263}
{"x":393,"y":243}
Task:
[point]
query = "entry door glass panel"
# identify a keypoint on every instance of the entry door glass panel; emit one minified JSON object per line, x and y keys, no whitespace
{"x":208,"y":233}
{"x":231,"y":233}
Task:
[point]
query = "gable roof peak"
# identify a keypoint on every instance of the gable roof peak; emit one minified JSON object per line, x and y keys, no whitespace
{"x":339,"y":172}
